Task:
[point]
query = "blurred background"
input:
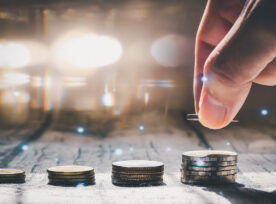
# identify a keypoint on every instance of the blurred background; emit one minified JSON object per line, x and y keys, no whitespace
{"x":92,"y":66}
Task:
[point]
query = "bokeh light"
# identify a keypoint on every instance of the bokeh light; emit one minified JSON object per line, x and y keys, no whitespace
{"x":200,"y":163}
{"x":172,"y":50}
{"x":80,"y":130}
{"x":87,"y":51}
{"x":14,"y":55}
{"x":141,"y":128}
{"x":264,"y":112}
{"x":108,"y":99}
{"x":13,"y":78}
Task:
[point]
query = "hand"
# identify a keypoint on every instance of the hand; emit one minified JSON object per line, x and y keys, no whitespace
{"x":235,"y":47}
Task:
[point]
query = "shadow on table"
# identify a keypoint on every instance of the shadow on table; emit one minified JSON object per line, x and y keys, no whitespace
{"x":237,"y":193}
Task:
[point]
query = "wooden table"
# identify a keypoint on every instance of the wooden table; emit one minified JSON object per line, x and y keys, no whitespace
{"x":43,"y":148}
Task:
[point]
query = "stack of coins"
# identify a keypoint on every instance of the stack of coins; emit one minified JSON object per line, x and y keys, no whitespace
{"x":137,"y":173}
{"x":12,"y":176}
{"x":208,"y":167}
{"x":71,"y":175}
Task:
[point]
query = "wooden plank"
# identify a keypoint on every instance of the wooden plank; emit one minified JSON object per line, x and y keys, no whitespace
{"x":256,"y":181}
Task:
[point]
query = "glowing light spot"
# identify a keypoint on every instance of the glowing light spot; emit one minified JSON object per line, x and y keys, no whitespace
{"x":203,"y":79}
{"x":118,"y":151}
{"x":16,"y":93}
{"x":131,"y":149}
{"x":24,"y":147}
{"x":147,"y":97}
{"x":14,"y":55}
{"x":80,"y":185}
{"x":169,"y":50}
{"x":264,"y":112}
{"x":80,"y":130}
{"x":74,"y":81}
{"x":14,"y":79}
{"x":141,"y":128}
{"x":220,"y":193}
{"x":200,"y":163}
{"x":228,"y":143}
{"x":210,"y":148}
{"x":57,"y":159}
{"x":87,"y":50}
{"x":107,"y":99}
{"x":168,"y":149}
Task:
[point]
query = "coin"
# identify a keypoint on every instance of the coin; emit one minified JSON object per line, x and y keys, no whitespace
{"x":210,"y":155}
{"x":70,"y":170}
{"x":208,"y":163}
{"x":12,"y":176}
{"x":139,"y":165}
{"x":71,"y":180}
{"x":194,"y":179}
{"x":206,"y":173}
{"x":137,"y":173}
{"x":66,"y":177}
{"x":129,"y":172}
{"x":136,"y":183}
{"x":68,"y":183}
{"x":11,"y":172}
{"x":210,"y":168}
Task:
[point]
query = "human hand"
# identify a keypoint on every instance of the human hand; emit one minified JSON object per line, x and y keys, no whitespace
{"x":235,"y":47}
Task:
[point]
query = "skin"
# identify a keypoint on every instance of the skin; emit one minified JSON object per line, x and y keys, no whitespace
{"x":235,"y":47}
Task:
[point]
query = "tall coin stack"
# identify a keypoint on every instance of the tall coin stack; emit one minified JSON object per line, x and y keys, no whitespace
{"x":208,"y":167}
{"x":137,"y":173}
{"x":12,"y":176}
{"x":71,"y":175}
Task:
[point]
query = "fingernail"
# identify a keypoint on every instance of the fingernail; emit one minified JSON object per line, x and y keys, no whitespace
{"x":212,"y":112}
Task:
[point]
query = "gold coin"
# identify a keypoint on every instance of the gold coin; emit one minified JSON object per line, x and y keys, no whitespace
{"x":211,"y":168}
{"x":205,"y":173}
{"x":70,"y":170}
{"x":71,"y":180}
{"x":200,"y":163}
{"x":210,"y":155}
{"x":71,"y":177}
{"x":11,"y":172}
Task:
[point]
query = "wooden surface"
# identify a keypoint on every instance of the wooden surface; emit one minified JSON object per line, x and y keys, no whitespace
{"x":256,"y":181}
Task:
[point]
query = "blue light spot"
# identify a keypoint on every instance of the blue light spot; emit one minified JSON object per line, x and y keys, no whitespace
{"x":203,"y":79}
{"x":80,"y":185}
{"x":131,"y":149}
{"x":200,"y":163}
{"x":141,"y":127}
{"x":24,"y":147}
{"x":228,"y":143}
{"x":210,"y":148}
{"x":220,"y":193}
{"x":118,"y":151}
{"x":264,"y":112}
{"x":80,"y":130}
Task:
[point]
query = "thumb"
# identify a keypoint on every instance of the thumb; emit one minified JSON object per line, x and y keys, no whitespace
{"x":236,"y":62}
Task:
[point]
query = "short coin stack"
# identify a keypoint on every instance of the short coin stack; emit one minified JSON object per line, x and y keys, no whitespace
{"x":208,"y":167}
{"x":12,"y":176}
{"x":71,"y":175}
{"x":137,"y":173}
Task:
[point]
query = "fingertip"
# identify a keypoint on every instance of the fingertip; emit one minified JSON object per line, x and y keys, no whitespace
{"x":212,"y":113}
